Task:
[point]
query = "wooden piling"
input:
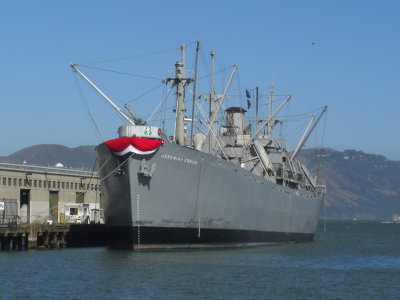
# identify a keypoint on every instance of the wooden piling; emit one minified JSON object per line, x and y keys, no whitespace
{"x":22,"y":237}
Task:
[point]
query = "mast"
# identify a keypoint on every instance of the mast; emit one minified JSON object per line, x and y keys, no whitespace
{"x":194,"y":90}
{"x":256,"y":107}
{"x":212,"y":100}
{"x":271,"y":121}
{"x":180,"y":82}
{"x":180,"y":99}
{"x":212,"y":96}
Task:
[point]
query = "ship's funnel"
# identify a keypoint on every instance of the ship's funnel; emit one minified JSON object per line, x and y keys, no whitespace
{"x":235,"y":119}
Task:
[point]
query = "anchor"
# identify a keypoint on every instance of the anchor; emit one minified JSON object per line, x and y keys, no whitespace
{"x":145,"y":170}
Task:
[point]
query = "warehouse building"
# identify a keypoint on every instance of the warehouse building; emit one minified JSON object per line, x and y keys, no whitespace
{"x":38,"y":194}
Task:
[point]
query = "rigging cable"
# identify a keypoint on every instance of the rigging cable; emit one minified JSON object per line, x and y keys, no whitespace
{"x":161,"y":102}
{"x":220,"y":71}
{"x":205,"y":67}
{"x":144,"y":94}
{"x":121,"y":73}
{"x":93,"y":122}
{"x":132,"y":57}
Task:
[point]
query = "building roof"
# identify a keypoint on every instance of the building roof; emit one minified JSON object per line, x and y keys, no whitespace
{"x":46,"y":170}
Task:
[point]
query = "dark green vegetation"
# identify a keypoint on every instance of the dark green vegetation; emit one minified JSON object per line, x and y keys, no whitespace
{"x":359,"y":185}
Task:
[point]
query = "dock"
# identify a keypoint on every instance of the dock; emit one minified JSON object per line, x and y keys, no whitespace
{"x":16,"y":237}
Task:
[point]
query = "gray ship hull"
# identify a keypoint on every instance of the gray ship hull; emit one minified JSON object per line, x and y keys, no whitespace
{"x":194,"y":199}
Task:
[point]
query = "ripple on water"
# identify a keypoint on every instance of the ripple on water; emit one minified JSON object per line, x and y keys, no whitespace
{"x":351,"y":261}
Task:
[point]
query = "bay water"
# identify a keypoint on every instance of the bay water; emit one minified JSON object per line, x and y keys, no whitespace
{"x":351,"y":260}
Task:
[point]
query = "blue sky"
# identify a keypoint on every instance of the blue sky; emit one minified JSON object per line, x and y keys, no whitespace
{"x":341,"y":53}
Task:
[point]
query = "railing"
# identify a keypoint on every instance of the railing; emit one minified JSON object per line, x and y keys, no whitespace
{"x":8,"y":219}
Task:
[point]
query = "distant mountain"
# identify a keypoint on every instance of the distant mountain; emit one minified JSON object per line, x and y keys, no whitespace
{"x":49,"y":155}
{"x":359,"y":185}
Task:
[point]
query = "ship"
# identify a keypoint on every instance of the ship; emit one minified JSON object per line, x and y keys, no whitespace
{"x":396,"y":218}
{"x":229,"y":185}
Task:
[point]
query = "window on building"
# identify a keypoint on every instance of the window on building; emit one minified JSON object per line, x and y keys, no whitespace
{"x":67,"y":185}
{"x":40,"y":183}
{"x":44,"y":183}
{"x":58,"y":184}
{"x":15,"y":182}
{"x":20,"y":182}
{"x":80,"y":197}
{"x":25,"y":182}
{"x":9,"y":181}
{"x":4,"y":181}
{"x":35,"y":183}
{"x":63,"y":185}
{"x":30,"y":182}
{"x":73,"y":211}
{"x":54,"y":184}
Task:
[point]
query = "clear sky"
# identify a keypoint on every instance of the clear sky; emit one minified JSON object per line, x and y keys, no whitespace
{"x":342,"y":53}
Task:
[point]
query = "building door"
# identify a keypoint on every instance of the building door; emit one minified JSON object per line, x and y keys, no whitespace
{"x":24,"y":205}
{"x":53,"y":212}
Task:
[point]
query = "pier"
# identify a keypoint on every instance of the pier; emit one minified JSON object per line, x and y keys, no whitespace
{"x":44,"y":207}
{"x":16,"y":237}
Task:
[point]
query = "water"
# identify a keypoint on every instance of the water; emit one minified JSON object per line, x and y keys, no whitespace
{"x":352,"y":260}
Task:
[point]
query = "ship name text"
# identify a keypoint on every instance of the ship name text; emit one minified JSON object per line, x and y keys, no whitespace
{"x":178,"y":158}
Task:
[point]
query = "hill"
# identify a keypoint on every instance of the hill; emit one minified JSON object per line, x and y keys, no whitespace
{"x":81,"y":157}
{"x":359,"y":185}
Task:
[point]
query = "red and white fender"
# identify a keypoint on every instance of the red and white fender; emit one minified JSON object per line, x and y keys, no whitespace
{"x":138,"y":145}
